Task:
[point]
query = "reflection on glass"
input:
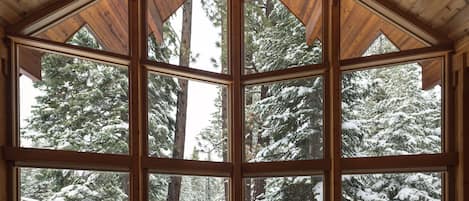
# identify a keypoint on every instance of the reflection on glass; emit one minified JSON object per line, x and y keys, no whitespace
{"x":284,"y":188}
{"x":75,"y":104}
{"x":275,"y":38}
{"x":283,"y":120}
{"x":187,"y":188}
{"x":54,"y":184}
{"x":106,"y":19}
{"x":187,"y":119}
{"x":189,"y":33}
{"x":401,"y":186}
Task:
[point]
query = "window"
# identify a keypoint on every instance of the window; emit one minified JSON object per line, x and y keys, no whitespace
{"x":55,"y":184}
{"x":228,"y":100}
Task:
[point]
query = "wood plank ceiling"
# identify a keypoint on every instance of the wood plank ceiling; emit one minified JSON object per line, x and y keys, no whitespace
{"x":12,"y":11}
{"x":108,"y":20}
{"x":448,"y":16}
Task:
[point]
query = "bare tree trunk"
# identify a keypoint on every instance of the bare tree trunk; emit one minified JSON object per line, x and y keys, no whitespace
{"x":174,"y":189}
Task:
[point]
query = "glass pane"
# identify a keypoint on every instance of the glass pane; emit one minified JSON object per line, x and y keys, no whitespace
{"x":74,"y":104}
{"x":187,"y":188}
{"x":284,"y":120}
{"x":394,"y":110}
{"x":280,"y":34}
{"x":54,"y":184}
{"x":107,"y":20}
{"x":361,"y":28}
{"x":187,"y":119}
{"x":189,"y":33}
{"x":284,"y":188}
{"x":383,"y":187}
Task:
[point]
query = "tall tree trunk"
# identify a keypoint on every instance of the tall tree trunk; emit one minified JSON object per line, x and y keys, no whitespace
{"x":174,"y":189}
{"x":259,"y":184}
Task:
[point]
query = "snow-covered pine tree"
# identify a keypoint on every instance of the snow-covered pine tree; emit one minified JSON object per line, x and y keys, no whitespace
{"x":84,"y":107}
{"x":264,"y":41}
{"x":394,"y":117}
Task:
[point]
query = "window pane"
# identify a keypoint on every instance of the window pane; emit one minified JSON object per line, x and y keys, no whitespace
{"x":187,"y":119}
{"x":361,"y":28}
{"x":189,"y":33}
{"x":105,"y":19}
{"x":280,"y":34}
{"x":284,"y":120}
{"x":76,"y":104}
{"x":393,"y":110}
{"x":403,"y":186}
{"x":187,"y":188}
{"x":55,"y":184}
{"x":284,"y":188}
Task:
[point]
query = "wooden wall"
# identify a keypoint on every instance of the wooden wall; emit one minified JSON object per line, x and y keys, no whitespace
{"x":461,"y":66}
{"x":3,"y":118}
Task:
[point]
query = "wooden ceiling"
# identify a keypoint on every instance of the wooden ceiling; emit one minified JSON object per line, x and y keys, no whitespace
{"x":447,"y":16}
{"x":360,"y":27}
{"x":12,"y":11}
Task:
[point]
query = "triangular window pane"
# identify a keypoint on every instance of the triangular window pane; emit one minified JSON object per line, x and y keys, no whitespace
{"x":189,"y":33}
{"x":381,"y":45}
{"x":280,"y":34}
{"x":107,"y":19}
{"x":85,"y":38}
{"x":360,"y":29}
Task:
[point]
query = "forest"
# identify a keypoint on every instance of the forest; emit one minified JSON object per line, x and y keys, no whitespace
{"x":84,"y":106}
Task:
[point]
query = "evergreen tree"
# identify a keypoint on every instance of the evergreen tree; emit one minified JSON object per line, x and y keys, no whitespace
{"x":394,"y":117}
{"x":84,"y":107}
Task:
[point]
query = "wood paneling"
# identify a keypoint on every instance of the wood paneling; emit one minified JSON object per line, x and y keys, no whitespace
{"x":447,"y":16}
{"x":309,"y":12}
{"x":12,"y":11}
{"x":3,"y":117}
{"x":108,"y":20}
{"x":360,"y":27}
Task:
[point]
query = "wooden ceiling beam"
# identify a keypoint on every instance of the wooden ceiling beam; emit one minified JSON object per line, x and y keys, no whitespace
{"x":405,"y":21}
{"x":48,"y":17}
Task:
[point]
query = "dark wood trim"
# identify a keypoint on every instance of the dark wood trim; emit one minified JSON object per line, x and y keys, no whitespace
{"x":49,"y":16}
{"x":187,"y":167}
{"x":464,"y":144}
{"x":136,"y":111}
{"x":285,"y":74}
{"x":236,"y":63}
{"x":335,"y":101}
{"x":394,"y":58}
{"x":409,"y":163}
{"x":286,"y":168}
{"x":13,"y":127}
{"x":327,"y":36}
{"x":187,"y":73}
{"x":449,"y":125}
{"x":71,"y":50}
{"x":28,"y":157}
{"x":405,"y":22}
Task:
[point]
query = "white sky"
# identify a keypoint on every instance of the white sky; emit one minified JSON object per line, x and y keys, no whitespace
{"x":201,"y":96}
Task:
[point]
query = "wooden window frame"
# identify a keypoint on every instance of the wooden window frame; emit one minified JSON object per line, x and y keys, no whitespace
{"x":138,"y":164}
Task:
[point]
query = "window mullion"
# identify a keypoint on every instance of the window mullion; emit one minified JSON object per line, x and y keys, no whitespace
{"x":235,"y":62}
{"x":332,"y":31}
{"x":137,"y":134}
